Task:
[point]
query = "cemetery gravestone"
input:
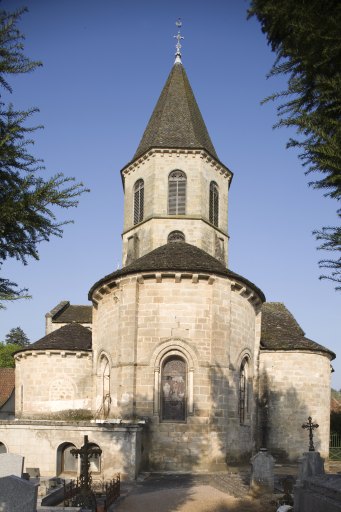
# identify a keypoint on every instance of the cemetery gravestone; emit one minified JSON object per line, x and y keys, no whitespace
{"x":17,"y":495}
{"x":11,"y":464}
{"x":262,"y":472}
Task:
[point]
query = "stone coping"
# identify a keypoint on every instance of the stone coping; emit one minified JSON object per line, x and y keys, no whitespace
{"x":115,"y":424}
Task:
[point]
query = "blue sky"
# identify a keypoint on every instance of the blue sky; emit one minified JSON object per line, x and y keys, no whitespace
{"x":105,"y":64}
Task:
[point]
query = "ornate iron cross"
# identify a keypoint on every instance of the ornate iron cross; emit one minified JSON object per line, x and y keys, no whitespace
{"x":86,"y":452}
{"x":311,"y":427}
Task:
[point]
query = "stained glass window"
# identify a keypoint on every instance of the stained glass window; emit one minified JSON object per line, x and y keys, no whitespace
{"x":173,"y":390}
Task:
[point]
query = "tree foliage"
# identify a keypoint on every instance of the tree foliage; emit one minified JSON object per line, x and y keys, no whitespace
{"x":306,"y":38}
{"x":6,"y":355}
{"x":16,"y":336}
{"x":27,"y":199}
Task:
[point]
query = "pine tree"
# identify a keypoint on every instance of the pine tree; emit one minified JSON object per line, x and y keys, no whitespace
{"x":27,"y":199}
{"x":16,"y":336}
{"x":305,"y":36}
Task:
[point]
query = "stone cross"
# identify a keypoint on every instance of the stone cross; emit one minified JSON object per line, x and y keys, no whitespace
{"x":311,"y":427}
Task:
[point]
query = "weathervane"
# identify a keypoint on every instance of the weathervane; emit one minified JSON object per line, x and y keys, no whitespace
{"x":178,"y":23}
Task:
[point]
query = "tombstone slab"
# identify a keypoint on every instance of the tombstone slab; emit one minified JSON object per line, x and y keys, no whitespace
{"x":262,"y":472}
{"x":17,"y":495}
{"x":11,"y":464}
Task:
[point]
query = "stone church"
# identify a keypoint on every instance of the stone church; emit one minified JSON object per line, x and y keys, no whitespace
{"x":178,"y":363}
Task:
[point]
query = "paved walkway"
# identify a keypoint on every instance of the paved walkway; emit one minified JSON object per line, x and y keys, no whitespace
{"x":217,"y":492}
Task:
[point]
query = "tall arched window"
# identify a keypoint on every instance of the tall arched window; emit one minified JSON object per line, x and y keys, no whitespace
{"x":243,"y":391}
{"x":173,"y":390}
{"x":66,"y":462}
{"x":104,"y":378}
{"x":214,"y":204}
{"x":138,"y":201}
{"x":177,"y":193}
{"x":176,"y":236}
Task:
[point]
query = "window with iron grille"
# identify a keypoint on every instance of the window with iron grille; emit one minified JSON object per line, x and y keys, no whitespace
{"x":138,"y":201}
{"x":214,"y":204}
{"x":243,"y":391}
{"x":177,"y":193}
{"x":176,"y":236}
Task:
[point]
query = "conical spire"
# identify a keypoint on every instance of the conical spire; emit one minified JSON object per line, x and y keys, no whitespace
{"x":176,"y":121}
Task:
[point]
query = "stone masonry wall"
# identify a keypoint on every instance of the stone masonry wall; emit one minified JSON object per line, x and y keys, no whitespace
{"x":140,"y":321}
{"x":39,"y":443}
{"x":293,"y":386}
{"x":154,"y":170}
{"x":51,"y":381}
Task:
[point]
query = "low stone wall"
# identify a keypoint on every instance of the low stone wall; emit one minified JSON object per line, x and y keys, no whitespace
{"x":319,"y":494}
{"x":40,"y":442}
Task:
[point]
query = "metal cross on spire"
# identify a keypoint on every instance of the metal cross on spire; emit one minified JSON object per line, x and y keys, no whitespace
{"x":178,"y":23}
{"x":311,"y":427}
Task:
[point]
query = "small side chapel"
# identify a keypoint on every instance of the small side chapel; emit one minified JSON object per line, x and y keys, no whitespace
{"x":178,"y":363}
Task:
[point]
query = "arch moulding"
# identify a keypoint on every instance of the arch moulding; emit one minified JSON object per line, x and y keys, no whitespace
{"x":173,"y":347}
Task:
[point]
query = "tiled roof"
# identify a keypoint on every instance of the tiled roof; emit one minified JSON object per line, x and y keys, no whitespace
{"x":177,"y":257}
{"x":69,"y":337}
{"x":79,"y":314}
{"x":176,"y":121}
{"x":7,"y":379}
{"x":280,"y":331}
{"x":65,"y":313}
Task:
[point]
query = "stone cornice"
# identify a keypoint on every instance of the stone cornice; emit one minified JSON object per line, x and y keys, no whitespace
{"x":52,"y":352}
{"x":219,"y":166}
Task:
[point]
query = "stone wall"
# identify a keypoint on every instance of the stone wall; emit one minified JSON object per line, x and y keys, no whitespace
{"x":140,"y":321}
{"x":39,"y":444}
{"x":51,"y":381}
{"x":293,"y":386}
{"x":154,"y":170}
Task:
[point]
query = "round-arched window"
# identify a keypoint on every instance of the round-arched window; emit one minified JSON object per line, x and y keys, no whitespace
{"x":3,"y":448}
{"x":176,"y":236}
{"x":177,"y":193}
{"x":173,"y":390}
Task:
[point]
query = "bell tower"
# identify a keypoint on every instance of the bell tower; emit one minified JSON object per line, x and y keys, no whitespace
{"x":175,"y":187}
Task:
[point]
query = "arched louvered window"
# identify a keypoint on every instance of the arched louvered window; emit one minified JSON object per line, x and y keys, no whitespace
{"x":138,"y":201}
{"x":243,"y":391}
{"x":176,"y":236}
{"x":177,"y":193}
{"x":173,"y":389}
{"x":214,"y":204}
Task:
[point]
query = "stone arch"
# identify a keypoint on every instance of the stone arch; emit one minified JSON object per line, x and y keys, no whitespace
{"x":3,"y":447}
{"x":138,"y":202}
{"x":176,"y":236}
{"x":177,"y":184}
{"x":103,"y":373}
{"x":244,"y":376}
{"x":66,"y":463}
{"x":174,"y":349}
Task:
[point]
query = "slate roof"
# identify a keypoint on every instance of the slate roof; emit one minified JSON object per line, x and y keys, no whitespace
{"x":65,"y":313}
{"x":69,"y":337}
{"x":177,"y":257}
{"x":176,"y":121}
{"x":280,"y":331}
{"x":7,"y":380}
